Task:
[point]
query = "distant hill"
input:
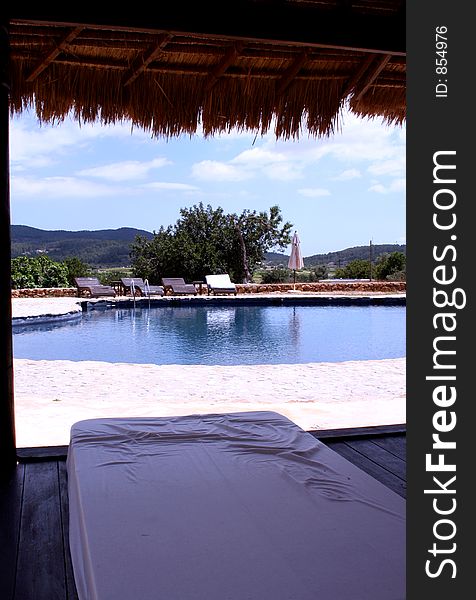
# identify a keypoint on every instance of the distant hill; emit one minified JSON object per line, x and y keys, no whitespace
{"x":276,"y":258}
{"x":339,"y":258}
{"x":343,"y":257}
{"x":110,"y":247}
{"x":101,"y":248}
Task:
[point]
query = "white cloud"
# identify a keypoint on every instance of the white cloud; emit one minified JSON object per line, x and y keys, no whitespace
{"x":283,"y":172}
{"x":359,"y":141}
{"x":397,"y":185}
{"x":348,"y":174}
{"x":248,"y":164}
{"x":169,"y":185}
{"x":379,"y":188}
{"x":272,"y":164}
{"x":32,"y":146}
{"x":61,"y":187}
{"x":125,"y":170}
{"x":364,"y":146}
{"x":36,"y":148}
{"x":359,"y":149}
{"x":257,"y":157}
{"x":393,"y":168}
{"x":213,"y":170}
{"x":313,"y":192}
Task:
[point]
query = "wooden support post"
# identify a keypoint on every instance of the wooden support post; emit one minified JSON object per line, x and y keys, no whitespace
{"x":7,"y":417}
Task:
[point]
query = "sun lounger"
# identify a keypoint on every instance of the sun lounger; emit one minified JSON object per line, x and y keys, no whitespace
{"x":93,"y":287}
{"x":177,"y":286}
{"x":220,"y":284}
{"x":139,"y":284}
{"x":240,"y":505}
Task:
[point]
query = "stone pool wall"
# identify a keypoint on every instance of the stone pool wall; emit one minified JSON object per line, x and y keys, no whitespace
{"x":334,"y":287}
{"x":389,"y":287}
{"x":44,"y":293}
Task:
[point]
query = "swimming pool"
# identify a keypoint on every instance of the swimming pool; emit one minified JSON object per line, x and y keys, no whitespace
{"x":220,"y":335}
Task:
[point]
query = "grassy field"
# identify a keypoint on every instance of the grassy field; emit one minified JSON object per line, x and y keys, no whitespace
{"x":106,"y":275}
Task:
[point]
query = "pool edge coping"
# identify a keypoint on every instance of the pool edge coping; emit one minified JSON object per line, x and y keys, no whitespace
{"x":86,"y":304}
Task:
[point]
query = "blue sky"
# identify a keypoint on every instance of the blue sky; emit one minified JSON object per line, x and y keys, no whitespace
{"x":338,"y":192}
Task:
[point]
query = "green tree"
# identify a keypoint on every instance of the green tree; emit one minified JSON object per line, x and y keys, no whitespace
{"x":207,"y":241}
{"x":356,"y":269}
{"x":39,"y":271}
{"x":156,"y":258}
{"x":391,"y":266}
{"x":321,"y":272}
{"x":252,"y":235}
{"x":202,"y":236}
{"x":76,"y":268}
{"x":23,"y":273}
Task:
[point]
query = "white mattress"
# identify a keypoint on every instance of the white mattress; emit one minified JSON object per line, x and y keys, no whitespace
{"x":243,"y":506}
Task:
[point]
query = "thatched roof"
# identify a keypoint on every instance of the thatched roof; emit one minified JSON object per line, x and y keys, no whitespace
{"x":174,"y":76}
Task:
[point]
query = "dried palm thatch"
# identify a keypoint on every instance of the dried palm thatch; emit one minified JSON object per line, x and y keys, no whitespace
{"x":173,"y":83}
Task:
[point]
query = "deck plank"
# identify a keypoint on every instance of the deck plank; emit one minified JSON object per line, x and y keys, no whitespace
{"x":390,"y":480}
{"x":395,"y":444}
{"x":41,"y":570}
{"x":38,"y":528}
{"x":11,"y":492}
{"x":379,"y":455}
{"x":371,"y":431}
{"x":63,"y":485}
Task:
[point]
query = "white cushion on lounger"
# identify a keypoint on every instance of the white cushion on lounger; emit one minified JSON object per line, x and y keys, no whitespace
{"x":220,"y":282}
{"x":237,"y":506}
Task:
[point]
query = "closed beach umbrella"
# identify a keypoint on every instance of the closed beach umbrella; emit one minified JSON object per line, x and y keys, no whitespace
{"x":295,"y":260}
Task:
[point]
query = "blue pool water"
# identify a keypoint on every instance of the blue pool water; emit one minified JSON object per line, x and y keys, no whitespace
{"x":227,"y":335}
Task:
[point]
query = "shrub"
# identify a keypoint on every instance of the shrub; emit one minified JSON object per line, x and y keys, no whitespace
{"x":23,"y":273}
{"x":321,"y":272}
{"x":40,"y":271}
{"x":76,"y":268}
{"x":275,"y":276}
{"x":391,"y":267}
{"x":356,"y":269}
{"x":397,"y":276}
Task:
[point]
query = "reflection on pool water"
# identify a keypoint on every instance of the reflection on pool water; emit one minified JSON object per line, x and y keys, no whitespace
{"x":228,"y":335}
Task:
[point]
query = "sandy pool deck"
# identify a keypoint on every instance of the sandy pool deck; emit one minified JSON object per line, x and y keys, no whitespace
{"x":52,"y":395}
{"x":23,"y":308}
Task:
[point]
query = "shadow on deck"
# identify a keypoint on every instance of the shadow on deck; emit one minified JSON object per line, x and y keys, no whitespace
{"x":35,"y":562}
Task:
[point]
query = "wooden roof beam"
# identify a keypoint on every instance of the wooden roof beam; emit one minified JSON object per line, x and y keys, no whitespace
{"x":227,"y":60}
{"x":49,"y":58}
{"x":203,"y":71}
{"x":144,"y":59}
{"x":303,"y":23}
{"x":371,"y":76}
{"x":359,"y":73}
{"x":291,"y":73}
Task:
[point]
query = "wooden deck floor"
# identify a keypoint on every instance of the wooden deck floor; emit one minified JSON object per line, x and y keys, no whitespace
{"x":381,"y":455}
{"x":34,"y":554}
